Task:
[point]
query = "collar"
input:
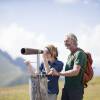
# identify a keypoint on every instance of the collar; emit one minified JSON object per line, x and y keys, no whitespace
{"x":74,"y":50}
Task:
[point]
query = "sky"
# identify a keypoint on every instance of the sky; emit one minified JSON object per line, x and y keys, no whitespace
{"x":37,"y":23}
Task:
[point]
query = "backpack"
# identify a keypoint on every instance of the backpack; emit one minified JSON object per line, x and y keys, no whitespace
{"x":88,"y":72}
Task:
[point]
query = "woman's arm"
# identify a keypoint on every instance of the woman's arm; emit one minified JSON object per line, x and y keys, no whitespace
{"x":46,"y":65}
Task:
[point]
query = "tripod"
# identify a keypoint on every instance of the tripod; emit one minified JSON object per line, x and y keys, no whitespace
{"x":38,"y":84}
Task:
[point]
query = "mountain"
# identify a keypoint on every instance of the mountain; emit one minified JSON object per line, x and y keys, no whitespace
{"x":20,"y":63}
{"x":12,"y":72}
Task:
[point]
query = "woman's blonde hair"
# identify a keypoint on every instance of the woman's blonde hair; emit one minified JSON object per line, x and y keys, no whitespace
{"x":53,"y":51}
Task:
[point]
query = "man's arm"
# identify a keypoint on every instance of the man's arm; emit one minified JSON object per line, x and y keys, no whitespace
{"x":73,"y":72}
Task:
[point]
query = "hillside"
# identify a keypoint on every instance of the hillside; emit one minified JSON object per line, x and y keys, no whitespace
{"x":10,"y":73}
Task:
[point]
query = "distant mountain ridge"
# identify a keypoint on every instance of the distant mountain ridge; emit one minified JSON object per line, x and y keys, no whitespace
{"x":12,"y":71}
{"x":18,"y":61}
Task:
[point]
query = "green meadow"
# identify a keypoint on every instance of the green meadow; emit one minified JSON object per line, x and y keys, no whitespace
{"x":92,"y":92}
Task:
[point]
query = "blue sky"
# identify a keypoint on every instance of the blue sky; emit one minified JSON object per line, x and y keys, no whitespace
{"x":36,"y":23}
{"x":49,"y":15}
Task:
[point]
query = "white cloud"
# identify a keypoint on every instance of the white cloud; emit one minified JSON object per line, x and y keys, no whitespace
{"x":14,"y":37}
{"x":77,"y":1}
{"x":95,"y":2}
{"x":86,"y":1}
{"x":89,"y":41}
{"x":67,"y":1}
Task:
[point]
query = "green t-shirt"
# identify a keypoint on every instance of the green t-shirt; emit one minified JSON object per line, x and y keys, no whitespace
{"x":77,"y":58}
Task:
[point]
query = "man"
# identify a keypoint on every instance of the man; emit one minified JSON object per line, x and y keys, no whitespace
{"x":76,"y":62}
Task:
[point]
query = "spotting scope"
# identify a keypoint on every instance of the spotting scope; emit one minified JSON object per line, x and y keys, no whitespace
{"x":30,"y":51}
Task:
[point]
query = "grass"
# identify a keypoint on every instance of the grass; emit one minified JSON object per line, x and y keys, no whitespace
{"x":93,"y":90}
{"x":14,"y":93}
{"x":21,"y":92}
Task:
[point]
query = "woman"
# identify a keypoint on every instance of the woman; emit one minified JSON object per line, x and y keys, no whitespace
{"x":50,"y":62}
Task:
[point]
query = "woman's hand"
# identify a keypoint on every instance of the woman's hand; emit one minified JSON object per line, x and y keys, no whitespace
{"x":45,"y":58}
{"x":45,"y":61}
{"x":53,"y":72}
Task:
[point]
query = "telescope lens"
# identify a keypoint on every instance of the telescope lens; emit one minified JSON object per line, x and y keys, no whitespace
{"x":23,"y":50}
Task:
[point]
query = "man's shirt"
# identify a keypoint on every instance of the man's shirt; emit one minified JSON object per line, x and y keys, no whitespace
{"x":76,"y":58}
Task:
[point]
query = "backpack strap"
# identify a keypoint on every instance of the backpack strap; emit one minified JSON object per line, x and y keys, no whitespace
{"x":83,"y":70}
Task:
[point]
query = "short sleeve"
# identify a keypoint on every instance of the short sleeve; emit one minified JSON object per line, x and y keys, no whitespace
{"x":59,"y":66}
{"x":79,"y":58}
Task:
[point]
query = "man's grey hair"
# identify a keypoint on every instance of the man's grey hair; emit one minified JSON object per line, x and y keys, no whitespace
{"x":72,"y":37}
